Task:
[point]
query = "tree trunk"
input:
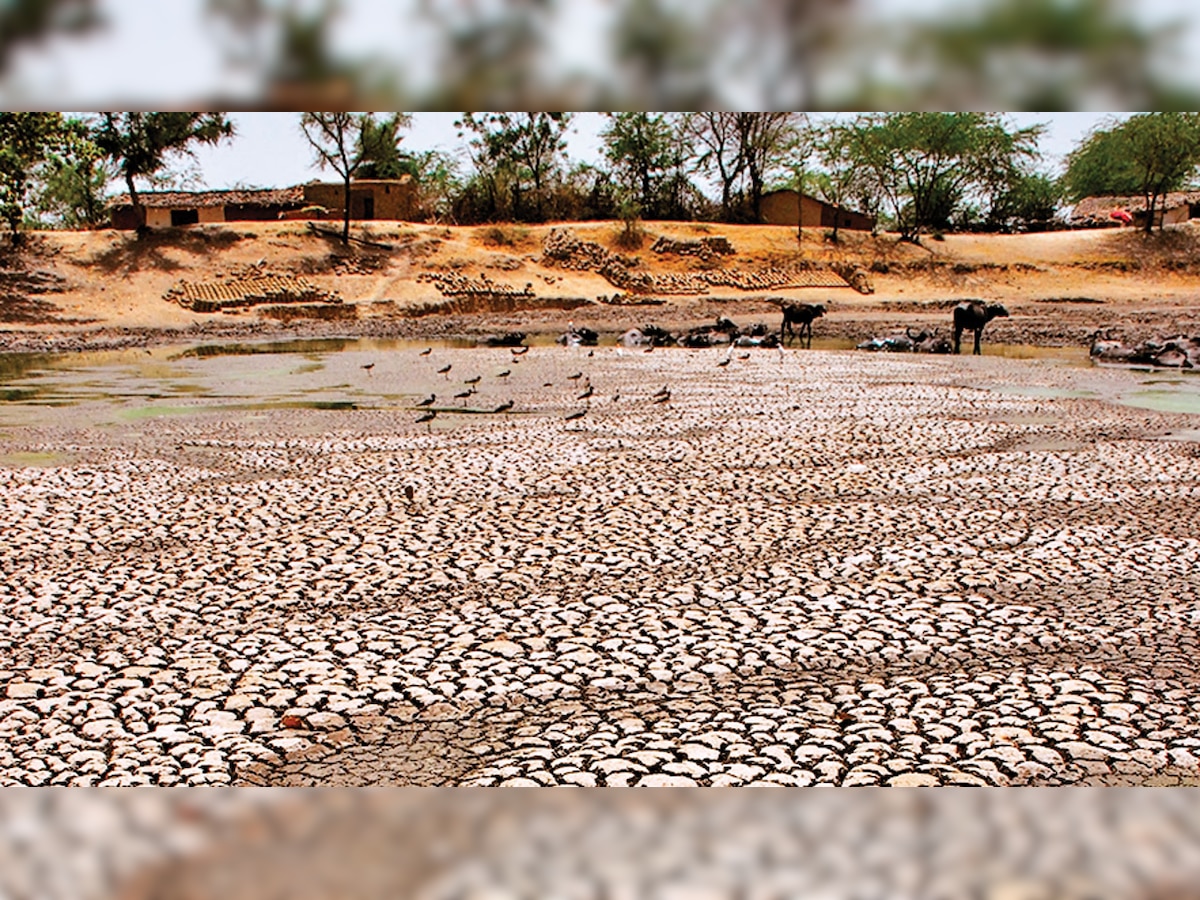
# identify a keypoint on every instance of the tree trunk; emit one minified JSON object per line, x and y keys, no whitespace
{"x":1150,"y":198}
{"x":139,"y":211}
{"x":836,"y":218}
{"x":346,"y":213}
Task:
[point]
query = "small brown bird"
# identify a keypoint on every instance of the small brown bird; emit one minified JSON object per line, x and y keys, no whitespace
{"x":463,"y":395}
{"x":663,"y":398}
{"x":505,"y":373}
{"x":548,"y":384}
{"x":428,"y":401}
{"x":665,"y":391}
{"x":409,"y":493}
{"x":426,"y":351}
{"x":578,"y":414}
{"x":575,"y":377}
{"x":369,"y":367}
{"x":591,"y":353}
{"x":472,"y":381}
{"x":444,"y":369}
{"x":426,"y":418}
{"x":649,"y":349}
{"x":743,"y":356}
{"x":503,"y":407}
{"x":724,"y":362}
{"x":586,"y":393}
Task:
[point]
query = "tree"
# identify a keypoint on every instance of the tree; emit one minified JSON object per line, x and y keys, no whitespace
{"x":380,"y":143}
{"x":72,"y":181}
{"x":346,"y":142}
{"x":923,"y":164}
{"x":1148,"y":154}
{"x":1031,"y":200}
{"x":742,"y":150}
{"x":518,"y":149}
{"x":140,"y":143}
{"x":840,"y":180}
{"x":765,"y":139}
{"x":26,"y":139}
{"x":641,"y":148}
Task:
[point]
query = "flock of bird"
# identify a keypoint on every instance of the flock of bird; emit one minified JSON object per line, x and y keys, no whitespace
{"x":429,"y":412}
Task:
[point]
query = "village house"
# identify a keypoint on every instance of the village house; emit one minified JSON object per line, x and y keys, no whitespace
{"x":1174,"y":208}
{"x":369,"y":199}
{"x":786,"y":207}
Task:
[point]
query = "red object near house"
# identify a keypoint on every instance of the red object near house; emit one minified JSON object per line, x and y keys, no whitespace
{"x":1122,"y":216}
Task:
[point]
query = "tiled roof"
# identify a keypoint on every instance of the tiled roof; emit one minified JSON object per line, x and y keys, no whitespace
{"x":1100,"y":207}
{"x":290,"y":196}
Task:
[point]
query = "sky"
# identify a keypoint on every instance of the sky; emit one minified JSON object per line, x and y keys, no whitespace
{"x":270,"y":151}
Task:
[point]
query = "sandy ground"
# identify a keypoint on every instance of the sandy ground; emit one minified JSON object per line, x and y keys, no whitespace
{"x":1060,"y":287}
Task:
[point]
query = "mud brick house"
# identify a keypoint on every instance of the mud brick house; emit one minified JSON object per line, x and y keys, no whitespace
{"x":369,"y":199}
{"x":164,"y":208}
{"x":1174,"y":208}
{"x":383,"y":198}
{"x":785,"y":208}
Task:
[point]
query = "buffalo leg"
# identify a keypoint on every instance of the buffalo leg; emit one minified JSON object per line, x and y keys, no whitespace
{"x":978,"y":336}
{"x":957,"y":338}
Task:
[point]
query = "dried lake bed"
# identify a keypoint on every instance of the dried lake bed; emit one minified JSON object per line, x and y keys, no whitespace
{"x":800,"y":568}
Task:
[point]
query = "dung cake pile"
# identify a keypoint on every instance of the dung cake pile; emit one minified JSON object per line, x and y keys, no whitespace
{"x":562,"y":248}
{"x":705,"y":248}
{"x":251,"y":288}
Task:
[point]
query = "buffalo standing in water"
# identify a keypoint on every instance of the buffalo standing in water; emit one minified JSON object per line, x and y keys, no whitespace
{"x":801,"y":314}
{"x":972,"y":315}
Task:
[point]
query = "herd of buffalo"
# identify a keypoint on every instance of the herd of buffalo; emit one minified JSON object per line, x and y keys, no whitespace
{"x":970,"y":315}
{"x":798,"y":318}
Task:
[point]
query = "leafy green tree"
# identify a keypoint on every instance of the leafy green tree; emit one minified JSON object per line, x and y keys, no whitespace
{"x":26,"y":140}
{"x":140,"y":143}
{"x":1031,"y":200}
{"x":380,"y":145}
{"x":437,"y":176}
{"x":840,"y":180}
{"x":924,"y":164}
{"x":520,"y":152}
{"x":641,"y":149}
{"x":1148,"y":154}
{"x":72,"y":181}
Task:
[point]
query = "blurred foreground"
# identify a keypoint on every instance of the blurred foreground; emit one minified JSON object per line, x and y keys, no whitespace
{"x":631,"y":54}
{"x":176,"y":844}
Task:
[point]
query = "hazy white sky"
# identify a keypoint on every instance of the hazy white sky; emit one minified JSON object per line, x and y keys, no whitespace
{"x":270,"y":151}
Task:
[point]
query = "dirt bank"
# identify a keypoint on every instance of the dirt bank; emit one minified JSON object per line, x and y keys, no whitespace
{"x":88,"y":290}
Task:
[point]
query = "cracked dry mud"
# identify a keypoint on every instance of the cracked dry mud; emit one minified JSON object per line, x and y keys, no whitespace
{"x":805,"y":568}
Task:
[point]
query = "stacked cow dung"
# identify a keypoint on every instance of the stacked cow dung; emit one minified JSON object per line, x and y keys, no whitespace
{"x":249,"y":289}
